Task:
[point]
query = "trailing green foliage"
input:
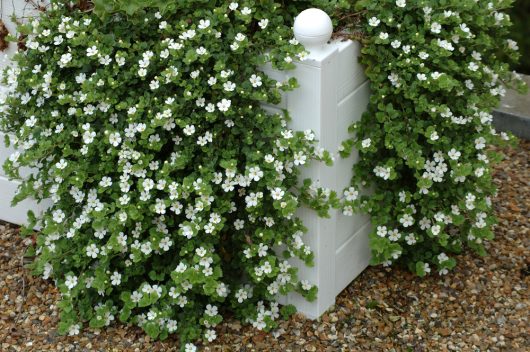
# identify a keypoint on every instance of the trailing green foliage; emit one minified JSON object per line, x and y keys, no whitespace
{"x":172,"y":189}
{"x":436,"y":75}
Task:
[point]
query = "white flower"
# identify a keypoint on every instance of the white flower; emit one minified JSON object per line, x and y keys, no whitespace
{"x":92,"y":51}
{"x":407,"y":220}
{"x":480,"y":143}
{"x":210,"y":335}
{"x":512,"y":45}
{"x":65,"y":59}
{"x":383,"y":172}
{"x":299,"y":158}
{"x":115,"y":278}
{"x":394,"y":235}
{"x":146,"y":248}
{"x":224,"y":105}
{"x":229,"y":87}
{"x":115,"y":139}
{"x":436,"y":28}
{"x":381,"y":231}
{"x":263,"y":23}
{"x":421,"y":77}
{"x":92,"y":251}
{"x":436,"y":230}
{"x":201,"y":252}
{"x":411,"y":239}
{"x":442,"y":257}
{"x":434,"y":136}
{"x":401,"y":3}
{"x":454,"y":154}
{"x":105,"y":60}
{"x":190,"y":348}
{"x":172,"y":325}
{"x":395,"y":44}
{"x":211,"y":310}
{"x":305,"y":285}
{"x":31,"y":121}
{"x":61,"y":165}
{"x":71,"y":281}
{"x":255,"y":173}
{"x":210,"y":107}
{"x":233,"y":6}
{"x":445,"y":45}
{"x":383,"y":35}
{"x":277,"y":193}
{"x":201,"y":51}
{"x":73,"y":330}
{"x":246,"y":11}
{"x":374,"y":22}
{"x":189,"y":130}
{"x":58,"y":216}
{"x":154,"y":85}
{"x":436,"y":75}
{"x":255,"y":81}
{"x":165,"y":243}
{"x":203,"y":24}
{"x":347,"y":210}
{"x":473,"y":66}
{"x":351,"y":194}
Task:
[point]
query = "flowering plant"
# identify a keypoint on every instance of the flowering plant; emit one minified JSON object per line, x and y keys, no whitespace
{"x":437,"y":69}
{"x":174,"y":193}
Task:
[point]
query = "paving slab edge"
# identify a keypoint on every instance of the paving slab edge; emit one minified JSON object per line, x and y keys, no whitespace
{"x":517,"y":124}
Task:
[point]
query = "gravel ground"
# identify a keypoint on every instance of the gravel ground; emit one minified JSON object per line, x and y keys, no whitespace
{"x":481,"y":306}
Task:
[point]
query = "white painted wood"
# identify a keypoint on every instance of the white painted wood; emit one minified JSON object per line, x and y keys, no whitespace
{"x":333,"y":93}
{"x":22,"y":9}
{"x":18,"y":214}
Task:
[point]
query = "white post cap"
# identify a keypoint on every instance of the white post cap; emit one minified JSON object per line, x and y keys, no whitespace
{"x":313,"y":28}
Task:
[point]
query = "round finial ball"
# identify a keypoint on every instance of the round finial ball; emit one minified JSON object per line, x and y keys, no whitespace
{"x":313,"y":27}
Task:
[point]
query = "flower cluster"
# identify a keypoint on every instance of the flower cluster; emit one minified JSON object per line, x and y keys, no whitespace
{"x":436,"y":75}
{"x":174,"y":193}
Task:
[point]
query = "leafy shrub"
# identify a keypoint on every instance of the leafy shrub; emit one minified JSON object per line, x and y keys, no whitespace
{"x":424,"y":140}
{"x":172,"y":188}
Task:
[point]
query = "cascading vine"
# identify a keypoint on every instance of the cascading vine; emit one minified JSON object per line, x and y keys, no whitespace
{"x":171,"y":186}
{"x":437,"y":70}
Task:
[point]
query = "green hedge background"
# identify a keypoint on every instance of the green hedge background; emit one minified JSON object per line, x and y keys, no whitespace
{"x":520,"y":14}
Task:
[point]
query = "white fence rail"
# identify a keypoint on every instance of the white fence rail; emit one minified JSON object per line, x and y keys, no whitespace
{"x":333,"y":93}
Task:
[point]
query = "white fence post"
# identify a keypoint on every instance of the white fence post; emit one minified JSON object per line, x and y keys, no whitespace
{"x":333,"y":93}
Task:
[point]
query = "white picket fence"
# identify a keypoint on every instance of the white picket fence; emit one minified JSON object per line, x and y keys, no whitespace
{"x":333,"y":93}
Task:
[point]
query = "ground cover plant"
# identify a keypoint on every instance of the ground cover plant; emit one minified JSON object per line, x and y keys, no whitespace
{"x":173,"y":190}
